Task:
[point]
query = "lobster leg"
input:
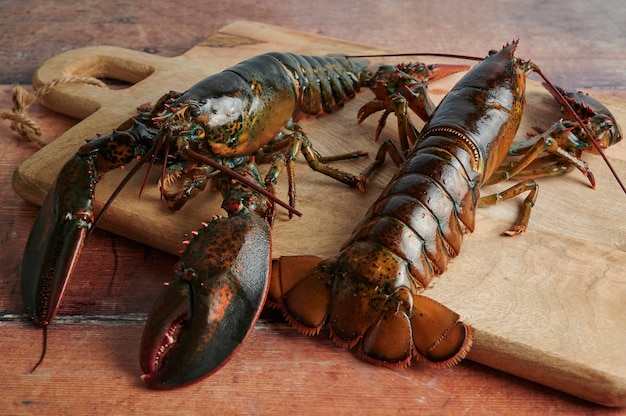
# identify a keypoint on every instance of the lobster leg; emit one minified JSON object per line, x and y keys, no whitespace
{"x":398,"y":104}
{"x":529,"y":202}
{"x":407,"y":132}
{"x":548,"y":142}
{"x":558,"y":149}
{"x":553,"y":152}
{"x":284,"y":151}
{"x":409,"y":85}
{"x":300,"y":143}
{"x":397,"y":90}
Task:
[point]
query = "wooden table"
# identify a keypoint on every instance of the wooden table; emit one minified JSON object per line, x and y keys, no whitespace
{"x":92,"y":365}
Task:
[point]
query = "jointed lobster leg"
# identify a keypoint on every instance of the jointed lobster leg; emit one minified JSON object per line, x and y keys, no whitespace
{"x":409,"y":85}
{"x":294,"y":143}
{"x":534,"y":164}
{"x":554,"y":152}
{"x":519,"y":188}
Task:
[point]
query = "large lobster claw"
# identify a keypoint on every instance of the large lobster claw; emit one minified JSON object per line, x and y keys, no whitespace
{"x":66,"y":216}
{"x":56,"y":240}
{"x":202,"y":316}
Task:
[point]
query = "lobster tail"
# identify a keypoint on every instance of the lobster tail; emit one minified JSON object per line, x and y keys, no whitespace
{"x":426,"y":331}
{"x":440,"y":338}
{"x":323,"y":82}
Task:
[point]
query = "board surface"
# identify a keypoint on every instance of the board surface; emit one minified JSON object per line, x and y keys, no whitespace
{"x":546,"y":306}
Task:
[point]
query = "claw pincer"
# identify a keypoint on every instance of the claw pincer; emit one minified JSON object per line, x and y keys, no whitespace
{"x":53,"y":246}
{"x":66,"y":219}
{"x":202,"y":316}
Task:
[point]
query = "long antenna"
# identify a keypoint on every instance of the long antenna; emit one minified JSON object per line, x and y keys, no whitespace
{"x":44,"y":348}
{"x":434,"y":54}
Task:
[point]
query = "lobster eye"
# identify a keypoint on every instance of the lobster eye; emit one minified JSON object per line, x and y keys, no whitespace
{"x":194,"y":112}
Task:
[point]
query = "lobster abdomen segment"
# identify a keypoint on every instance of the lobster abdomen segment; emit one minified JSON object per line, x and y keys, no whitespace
{"x":406,"y":238}
{"x":429,"y":212}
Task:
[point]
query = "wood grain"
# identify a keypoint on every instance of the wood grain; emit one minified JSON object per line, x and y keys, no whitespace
{"x":533,"y":312}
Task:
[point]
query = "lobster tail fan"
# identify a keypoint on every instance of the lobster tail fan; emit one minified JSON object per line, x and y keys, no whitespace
{"x":439,"y":336}
{"x":300,"y":288}
{"x":389,"y":341}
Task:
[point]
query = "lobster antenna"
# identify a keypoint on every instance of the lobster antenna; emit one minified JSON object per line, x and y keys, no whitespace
{"x":555,"y":91}
{"x":44,"y":348}
{"x":255,"y":187}
{"x":434,"y":54}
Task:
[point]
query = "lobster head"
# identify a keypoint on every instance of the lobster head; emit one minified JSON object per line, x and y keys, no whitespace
{"x":597,"y":117}
{"x":605,"y":131}
{"x":206,"y":126}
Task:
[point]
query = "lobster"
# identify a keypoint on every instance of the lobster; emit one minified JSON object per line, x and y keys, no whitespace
{"x":370,"y":294}
{"x":224,"y":124}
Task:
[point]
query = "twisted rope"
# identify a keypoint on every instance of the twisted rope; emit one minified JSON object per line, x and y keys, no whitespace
{"x":25,"y":125}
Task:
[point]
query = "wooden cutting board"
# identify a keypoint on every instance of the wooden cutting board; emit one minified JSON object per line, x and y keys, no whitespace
{"x":547,"y":306}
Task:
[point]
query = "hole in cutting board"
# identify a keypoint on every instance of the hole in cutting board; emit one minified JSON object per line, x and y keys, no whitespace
{"x":116,"y":84}
{"x":117,"y":73}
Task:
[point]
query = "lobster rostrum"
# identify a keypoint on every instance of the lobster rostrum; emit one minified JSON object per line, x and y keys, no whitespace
{"x":369,"y":295}
{"x":222,"y":124}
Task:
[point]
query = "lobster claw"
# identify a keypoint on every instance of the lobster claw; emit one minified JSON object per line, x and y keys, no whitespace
{"x":202,"y":316}
{"x":66,"y":216}
{"x":56,"y":240}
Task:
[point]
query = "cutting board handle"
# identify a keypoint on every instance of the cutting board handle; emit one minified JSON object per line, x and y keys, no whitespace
{"x":81,"y":100}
